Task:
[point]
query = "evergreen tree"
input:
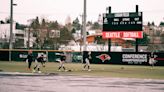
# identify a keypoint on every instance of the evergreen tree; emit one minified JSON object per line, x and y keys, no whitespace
{"x":161,"y":24}
{"x":96,"y":25}
{"x":43,"y":24}
{"x":89,"y":23}
{"x":76,"y":25}
{"x":2,"y":22}
{"x":73,"y":30}
{"x":145,"y":40}
{"x":148,"y":24}
{"x":153,"y":24}
{"x":54,"y":25}
{"x":65,"y":36}
{"x":20,"y":26}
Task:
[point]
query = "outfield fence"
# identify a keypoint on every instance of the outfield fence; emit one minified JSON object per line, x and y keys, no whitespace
{"x":132,"y":58}
{"x":126,"y":58}
{"x":50,"y":55}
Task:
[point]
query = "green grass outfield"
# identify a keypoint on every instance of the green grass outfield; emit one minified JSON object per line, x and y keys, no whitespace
{"x":123,"y":71}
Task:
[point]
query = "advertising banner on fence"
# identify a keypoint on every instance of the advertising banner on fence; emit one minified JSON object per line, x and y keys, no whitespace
{"x":139,"y":58}
{"x":119,"y":58}
{"x":22,"y":55}
{"x":135,"y":58}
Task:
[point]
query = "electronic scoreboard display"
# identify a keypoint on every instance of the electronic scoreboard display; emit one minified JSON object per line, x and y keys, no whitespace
{"x":119,"y":23}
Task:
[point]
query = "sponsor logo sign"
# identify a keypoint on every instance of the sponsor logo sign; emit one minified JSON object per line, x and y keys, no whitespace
{"x":103,"y":57}
{"x":23,"y":55}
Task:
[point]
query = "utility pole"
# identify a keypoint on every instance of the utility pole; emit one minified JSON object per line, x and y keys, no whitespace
{"x":11,"y":29}
{"x":29,"y":38}
{"x":84,"y":25}
{"x":109,"y":40}
{"x":84,"y":28}
{"x":81,"y":33}
{"x":136,"y":48}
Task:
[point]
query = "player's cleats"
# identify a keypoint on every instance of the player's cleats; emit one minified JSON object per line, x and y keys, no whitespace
{"x":59,"y":70}
{"x":33,"y":71}
{"x":39,"y":72}
{"x":29,"y":69}
{"x":84,"y":69}
{"x":65,"y":70}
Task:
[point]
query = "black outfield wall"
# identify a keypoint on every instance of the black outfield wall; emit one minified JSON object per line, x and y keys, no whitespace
{"x":132,"y":58}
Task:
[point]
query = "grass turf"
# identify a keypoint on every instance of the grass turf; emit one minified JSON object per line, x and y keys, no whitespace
{"x":123,"y":71}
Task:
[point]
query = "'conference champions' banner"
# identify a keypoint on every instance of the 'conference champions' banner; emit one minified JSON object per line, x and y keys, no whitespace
{"x":135,"y":58}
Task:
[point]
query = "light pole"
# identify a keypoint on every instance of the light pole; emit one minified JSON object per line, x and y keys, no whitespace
{"x":29,"y":32}
{"x":11,"y":28}
{"x":84,"y":24}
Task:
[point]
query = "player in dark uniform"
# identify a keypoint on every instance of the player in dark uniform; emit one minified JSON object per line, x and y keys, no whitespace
{"x":29,"y":59}
{"x":62,"y":61}
{"x":87,"y":58}
{"x":39,"y":62}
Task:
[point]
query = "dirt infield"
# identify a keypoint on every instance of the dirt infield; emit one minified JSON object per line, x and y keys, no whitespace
{"x":68,"y":83}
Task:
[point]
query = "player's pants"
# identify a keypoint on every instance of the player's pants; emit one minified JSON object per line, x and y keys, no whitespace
{"x":61,"y":65}
{"x":37,"y":65}
{"x":29,"y":64}
{"x":87,"y":63}
{"x":151,"y":61}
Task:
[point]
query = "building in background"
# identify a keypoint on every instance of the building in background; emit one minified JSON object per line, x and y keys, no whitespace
{"x":20,"y":37}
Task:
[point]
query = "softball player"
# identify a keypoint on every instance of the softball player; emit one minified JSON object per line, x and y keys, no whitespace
{"x":151,"y":59}
{"x":87,"y":58}
{"x":29,"y":59}
{"x":62,"y":61}
{"x":39,"y":62}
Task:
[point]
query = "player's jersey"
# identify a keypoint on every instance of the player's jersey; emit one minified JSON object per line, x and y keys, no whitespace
{"x":30,"y":57}
{"x":151,"y":56}
{"x":63,"y":58}
{"x":86,"y":55}
{"x":40,"y":59}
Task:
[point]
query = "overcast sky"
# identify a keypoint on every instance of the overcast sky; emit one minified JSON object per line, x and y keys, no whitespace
{"x":153,"y":10}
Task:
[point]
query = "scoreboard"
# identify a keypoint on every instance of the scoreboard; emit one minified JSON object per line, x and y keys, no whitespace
{"x":119,"y":25}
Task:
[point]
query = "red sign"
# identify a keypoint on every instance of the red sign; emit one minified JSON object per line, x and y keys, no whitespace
{"x":123,"y":34}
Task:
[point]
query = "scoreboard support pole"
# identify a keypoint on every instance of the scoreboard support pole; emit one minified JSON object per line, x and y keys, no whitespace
{"x":109,"y":40}
{"x":109,"y":45}
{"x":136,"y":47}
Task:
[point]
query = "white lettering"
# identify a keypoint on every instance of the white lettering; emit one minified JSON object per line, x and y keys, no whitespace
{"x":121,"y":14}
{"x":139,"y":22}
{"x":136,"y":19}
{"x":134,"y":58}
{"x":126,"y":19}
{"x":113,"y":35}
{"x":116,"y":19}
{"x":22,"y":56}
{"x":130,"y":34}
